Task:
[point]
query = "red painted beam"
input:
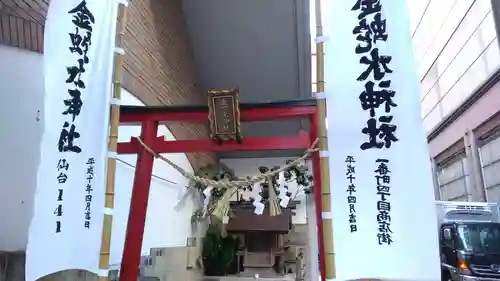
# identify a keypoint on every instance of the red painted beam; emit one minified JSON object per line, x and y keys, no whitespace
{"x":131,"y":147}
{"x":138,"y":207}
{"x":246,"y":115}
{"x":159,"y":145}
{"x":191,"y":117}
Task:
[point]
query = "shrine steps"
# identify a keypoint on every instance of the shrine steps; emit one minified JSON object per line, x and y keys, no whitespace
{"x":242,"y":278}
{"x":263,"y":272}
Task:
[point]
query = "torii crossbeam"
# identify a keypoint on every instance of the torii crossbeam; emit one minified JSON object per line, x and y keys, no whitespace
{"x":151,"y":117}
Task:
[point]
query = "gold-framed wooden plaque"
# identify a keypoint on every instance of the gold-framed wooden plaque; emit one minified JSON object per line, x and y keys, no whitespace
{"x":224,"y":115}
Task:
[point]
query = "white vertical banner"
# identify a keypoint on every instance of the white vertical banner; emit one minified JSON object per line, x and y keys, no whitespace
{"x":383,"y":207}
{"x":65,"y":231}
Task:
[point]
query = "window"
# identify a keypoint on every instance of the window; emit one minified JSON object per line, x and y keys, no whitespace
{"x":447,"y":243}
{"x":191,"y":242}
{"x":452,"y":179}
{"x":490,"y":165}
{"x":480,"y":237}
{"x":148,"y":261}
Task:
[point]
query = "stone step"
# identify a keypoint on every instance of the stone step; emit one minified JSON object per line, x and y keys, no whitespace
{"x":262,"y":272}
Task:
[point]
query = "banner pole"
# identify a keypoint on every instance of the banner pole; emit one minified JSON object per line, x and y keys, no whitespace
{"x":113,"y":143}
{"x":323,"y":147}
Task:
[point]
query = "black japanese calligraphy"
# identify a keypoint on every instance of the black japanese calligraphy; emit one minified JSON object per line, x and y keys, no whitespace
{"x":62,"y":169}
{"x":60,"y":194}
{"x":75,"y":72}
{"x":377,"y":64}
{"x":378,"y":28}
{"x":82,"y":17}
{"x":364,"y":35}
{"x":58,"y":211}
{"x":351,"y":191}
{"x":383,"y":179}
{"x":379,"y":136}
{"x":67,"y":138}
{"x":74,"y":104}
{"x":350,"y":159}
{"x":369,"y":31}
{"x":80,"y":42}
{"x":62,"y":178}
{"x":371,"y":99}
{"x":62,"y":165}
{"x":88,"y":191}
{"x":367,"y":7}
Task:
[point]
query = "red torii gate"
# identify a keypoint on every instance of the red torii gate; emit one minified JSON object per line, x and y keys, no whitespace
{"x":150,"y":118}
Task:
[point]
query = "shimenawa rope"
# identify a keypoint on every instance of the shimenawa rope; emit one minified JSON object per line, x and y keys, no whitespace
{"x":225,"y":183}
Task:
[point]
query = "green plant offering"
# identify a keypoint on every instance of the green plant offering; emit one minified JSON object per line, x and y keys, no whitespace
{"x":218,"y":252}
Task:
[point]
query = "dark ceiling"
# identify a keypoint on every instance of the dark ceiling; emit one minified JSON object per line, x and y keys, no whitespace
{"x":263,"y":47}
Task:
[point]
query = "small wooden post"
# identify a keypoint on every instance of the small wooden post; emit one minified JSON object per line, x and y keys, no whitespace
{"x":112,"y":145}
{"x":323,"y":147}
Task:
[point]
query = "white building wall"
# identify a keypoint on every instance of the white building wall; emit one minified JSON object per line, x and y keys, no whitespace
{"x":21,"y":127}
{"x":456,"y":51}
{"x":21,"y":93}
{"x":167,"y":188}
{"x":244,"y":167}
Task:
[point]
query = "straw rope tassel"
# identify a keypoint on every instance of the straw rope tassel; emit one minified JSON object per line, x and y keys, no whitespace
{"x":274,"y":208}
{"x":222,"y":207}
{"x":112,"y":147}
{"x":323,"y":146}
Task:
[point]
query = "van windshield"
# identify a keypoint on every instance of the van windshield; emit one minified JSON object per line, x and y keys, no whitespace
{"x":480,"y":237}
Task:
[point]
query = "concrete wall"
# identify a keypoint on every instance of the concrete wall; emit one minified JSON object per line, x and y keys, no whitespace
{"x":21,"y":90}
{"x":457,"y":54}
{"x":478,"y":113}
{"x":174,"y":263}
{"x":456,"y":50}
